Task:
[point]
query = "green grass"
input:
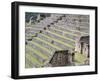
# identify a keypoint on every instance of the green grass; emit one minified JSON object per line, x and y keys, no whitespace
{"x":33,"y":59}
{"x":28,"y":64}
{"x":80,"y":58}
{"x":40,"y":46}
{"x":66,"y":32}
{"x":73,"y":30}
{"x":66,"y":38}
{"x":54,"y":46}
{"x":71,"y":46}
{"x":37,"y":52}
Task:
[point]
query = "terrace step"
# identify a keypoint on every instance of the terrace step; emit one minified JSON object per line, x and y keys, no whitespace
{"x":73,"y":30}
{"x":37,"y":53}
{"x":58,"y":42}
{"x":28,"y":63}
{"x":65,"y":31}
{"x":33,"y":60}
{"x":42,"y":49}
{"x":60,"y":38}
{"x":39,"y":59}
{"x":70,"y":36}
{"x":47,"y":44}
{"x":54,"y":43}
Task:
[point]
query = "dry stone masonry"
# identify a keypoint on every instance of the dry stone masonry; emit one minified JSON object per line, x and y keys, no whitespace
{"x":53,"y":39}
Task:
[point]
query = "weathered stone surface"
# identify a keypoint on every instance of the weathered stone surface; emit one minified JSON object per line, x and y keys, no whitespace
{"x":60,"y":31}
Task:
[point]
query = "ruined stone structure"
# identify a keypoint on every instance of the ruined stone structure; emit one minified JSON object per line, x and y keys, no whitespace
{"x":61,"y":58}
{"x":52,"y":40}
{"x":84,"y":45}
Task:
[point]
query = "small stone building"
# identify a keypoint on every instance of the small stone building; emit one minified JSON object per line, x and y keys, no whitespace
{"x":61,"y":58}
{"x":83,"y":45}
